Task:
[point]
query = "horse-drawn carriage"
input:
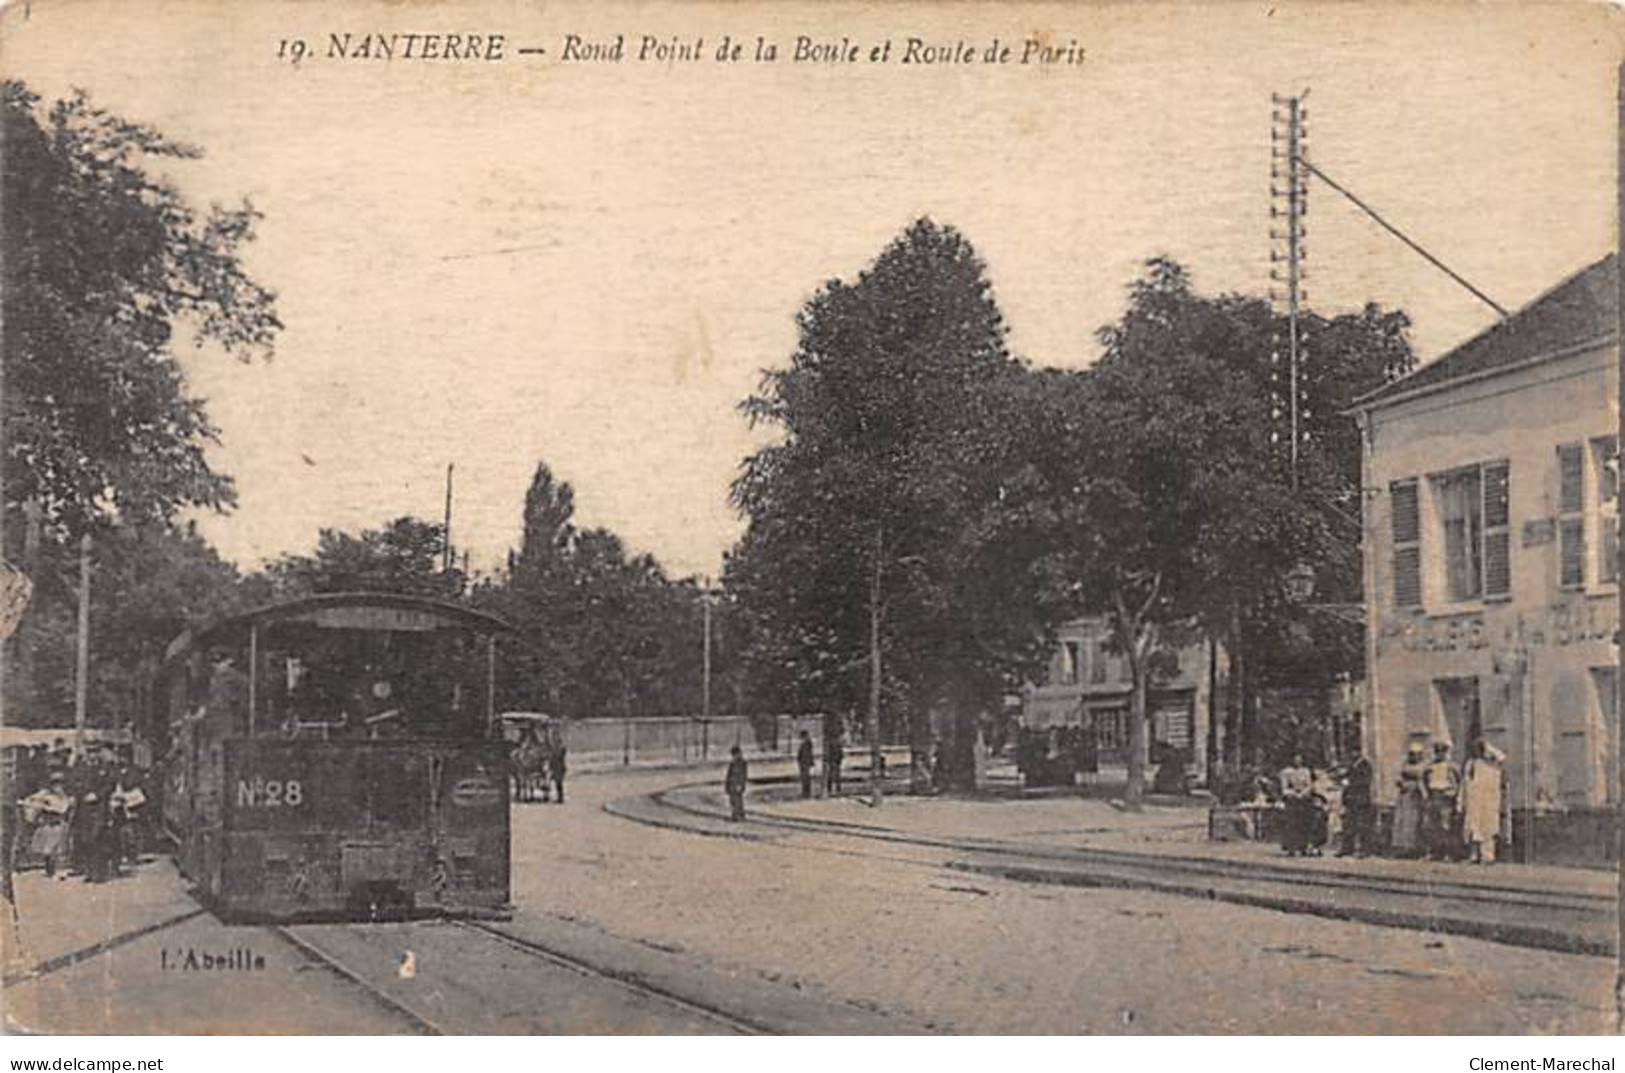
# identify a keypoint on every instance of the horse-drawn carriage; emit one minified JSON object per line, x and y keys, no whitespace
{"x":538,"y":755}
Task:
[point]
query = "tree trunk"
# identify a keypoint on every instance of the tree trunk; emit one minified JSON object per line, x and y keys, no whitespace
{"x":1138,"y":746}
{"x":1234,"y":738}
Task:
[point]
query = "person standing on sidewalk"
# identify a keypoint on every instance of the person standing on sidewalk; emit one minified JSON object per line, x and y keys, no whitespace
{"x":804,"y":763}
{"x":1412,"y":803}
{"x":1297,"y":782}
{"x":1356,"y":806}
{"x":734,"y":783}
{"x":47,"y":812}
{"x":1443,"y":786}
{"x":1481,"y":802}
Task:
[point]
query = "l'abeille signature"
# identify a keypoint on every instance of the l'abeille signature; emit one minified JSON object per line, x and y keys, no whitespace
{"x":191,"y":959}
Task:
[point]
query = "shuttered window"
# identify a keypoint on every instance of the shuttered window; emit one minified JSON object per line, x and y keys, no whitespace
{"x":1497,"y":534}
{"x":1571,"y":521}
{"x":1407,"y":533}
{"x":1605,"y":456}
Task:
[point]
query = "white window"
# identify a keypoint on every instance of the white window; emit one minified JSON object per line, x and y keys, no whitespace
{"x":1111,"y":727}
{"x":1460,"y":500}
{"x":1473,"y":506}
{"x":1069,"y":663}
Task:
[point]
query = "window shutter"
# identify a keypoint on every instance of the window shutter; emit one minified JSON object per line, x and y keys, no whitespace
{"x":1407,"y":520}
{"x":1497,"y":563}
{"x":1571,"y":552}
{"x":1497,"y":536}
{"x":1571,"y":478}
{"x":1496,"y":495}
{"x":1407,"y":531}
{"x":1408,"y":577}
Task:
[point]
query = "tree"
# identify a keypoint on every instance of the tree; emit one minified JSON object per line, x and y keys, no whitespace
{"x":1162,"y":480}
{"x":600,"y":631}
{"x":149,"y":584}
{"x":403,"y":556}
{"x":104,"y":263}
{"x":868,"y":521}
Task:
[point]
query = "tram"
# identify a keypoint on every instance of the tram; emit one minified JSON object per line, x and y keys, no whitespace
{"x":337,"y":755}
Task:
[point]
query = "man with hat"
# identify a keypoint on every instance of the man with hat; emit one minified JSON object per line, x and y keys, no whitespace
{"x":734,"y":783}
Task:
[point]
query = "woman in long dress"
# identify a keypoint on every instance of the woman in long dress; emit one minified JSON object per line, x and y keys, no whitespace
{"x":1481,"y":801}
{"x":1408,"y":812}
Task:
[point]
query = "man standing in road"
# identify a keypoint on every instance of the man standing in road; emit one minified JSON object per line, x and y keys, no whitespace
{"x":804,"y":762}
{"x":833,"y":755}
{"x":734,"y":783}
{"x":556,"y":768}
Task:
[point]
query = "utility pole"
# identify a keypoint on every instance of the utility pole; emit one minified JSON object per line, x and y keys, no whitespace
{"x":877,"y":758}
{"x":1619,"y":520}
{"x":1289,"y":202}
{"x":81,"y":676}
{"x":445,"y":535}
{"x":705,"y":689}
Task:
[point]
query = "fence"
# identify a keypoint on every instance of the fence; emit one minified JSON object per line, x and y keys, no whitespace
{"x":595,"y":744}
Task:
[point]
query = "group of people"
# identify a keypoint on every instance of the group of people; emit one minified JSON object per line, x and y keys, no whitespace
{"x":834,"y":757}
{"x":1443,"y":812}
{"x":737,"y":777}
{"x":83,"y":815}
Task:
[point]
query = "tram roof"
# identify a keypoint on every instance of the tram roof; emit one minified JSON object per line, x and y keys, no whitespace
{"x":346,"y":610}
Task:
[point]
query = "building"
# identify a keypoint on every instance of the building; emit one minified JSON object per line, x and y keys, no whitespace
{"x":1491,"y":562}
{"x":1088,"y":685}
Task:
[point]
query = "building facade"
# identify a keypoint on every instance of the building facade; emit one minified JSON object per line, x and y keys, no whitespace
{"x":1087,"y":685}
{"x":1491,"y":563}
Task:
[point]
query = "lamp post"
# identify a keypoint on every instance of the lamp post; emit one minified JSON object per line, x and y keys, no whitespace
{"x":707,"y":593}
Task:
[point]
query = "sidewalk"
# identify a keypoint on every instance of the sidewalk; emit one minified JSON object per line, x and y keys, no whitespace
{"x":59,"y":922}
{"x":1089,"y":842}
{"x":1174,"y":832}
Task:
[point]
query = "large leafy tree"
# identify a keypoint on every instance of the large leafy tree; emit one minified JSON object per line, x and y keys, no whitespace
{"x":105,"y":264}
{"x":868,"y":571}
{"x":1164,"y":486}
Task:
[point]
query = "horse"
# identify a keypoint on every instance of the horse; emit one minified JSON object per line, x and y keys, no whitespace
{"x":530,"y":769}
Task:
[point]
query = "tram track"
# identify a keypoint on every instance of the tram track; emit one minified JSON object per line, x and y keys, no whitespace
{"x":322,"y":958}
{"x":371,"y":947}
{"x":626,"y":980}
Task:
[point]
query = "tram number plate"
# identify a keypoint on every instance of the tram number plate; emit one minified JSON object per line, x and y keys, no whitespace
{"x":260,"y":792}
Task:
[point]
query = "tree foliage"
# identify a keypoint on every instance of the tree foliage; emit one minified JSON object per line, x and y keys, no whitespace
{"x":105,"y":262}
{"x":148,"y":585}
{"x":404,"y":556}
{"x":601,"y":631}
{"x":871,"y":522}
{"x":1162,"y":485}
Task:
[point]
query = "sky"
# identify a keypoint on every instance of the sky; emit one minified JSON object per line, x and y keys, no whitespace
{"x":497,"y":263}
